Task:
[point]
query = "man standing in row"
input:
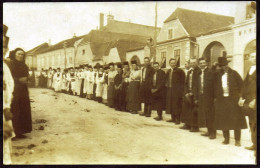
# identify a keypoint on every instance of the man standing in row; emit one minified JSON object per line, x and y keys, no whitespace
{"x":248,"y":100}
{"x":189,"y":114}
{"x":227,"y":91}
{"x":206,"y":100}
{"x":158,"y":87}
{"x":146,"y":77}
{"x":175,"y":79}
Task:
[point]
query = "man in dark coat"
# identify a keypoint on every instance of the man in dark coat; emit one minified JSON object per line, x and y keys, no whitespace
{"x":118,"y":88}
{"x":189,"y":115}
{"x":145,"y":89}
{"x":158,"y":85}
{"x":248,"y":100}
{"x":227,"y":91}
{"x":206,"y":100}
{"x":175,"y":79}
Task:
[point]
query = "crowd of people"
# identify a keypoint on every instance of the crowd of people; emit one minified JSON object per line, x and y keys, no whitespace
{"x":200,"y":96}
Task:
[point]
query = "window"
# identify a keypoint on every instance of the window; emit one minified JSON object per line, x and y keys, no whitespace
{"x":163,"y":58}
{"x":170,"y":34}
{"x":83,"y":52}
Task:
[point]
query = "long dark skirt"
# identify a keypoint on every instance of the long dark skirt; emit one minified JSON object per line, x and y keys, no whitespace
{"x":21,"y":109}
{"x":133,"y":98}
{"x":81,"y":88}
{"x":124,"y":95}
{"x":118,"y":100}
{"x":110,"y":94}
{"x":228,"y":115}
{"x":187,"y":112}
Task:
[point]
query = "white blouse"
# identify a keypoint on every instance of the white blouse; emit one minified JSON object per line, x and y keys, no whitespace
{"x":225,"y":85}
{"x":9,"y":86}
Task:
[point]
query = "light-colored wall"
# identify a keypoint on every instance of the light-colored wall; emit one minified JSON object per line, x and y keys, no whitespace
{"x":241,"y":41}
{"x":113,"y":56}
{"x":56,"y":59}
{"x":84,"y":58}
{"x":178,"y":30}
{"x":139,"y":53}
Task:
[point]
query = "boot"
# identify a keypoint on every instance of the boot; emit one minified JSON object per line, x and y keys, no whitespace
{"x":225,"y":142}
{"x":186,"y":127}
{"x":251,"y":147}
{"x":177,"y":121}
{"x":194,"y":129}
{"x":158,"y":118}
{"x":237,"y":143}
{"x":149,"y":110}
{"x":212,"y":134}
{"x":145,"y":110}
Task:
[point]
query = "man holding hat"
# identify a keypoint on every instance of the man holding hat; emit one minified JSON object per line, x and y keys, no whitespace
{"x":158,"y":87}
{"x":206,"y":99}
{"x":248,"y":100}
{"x":227,"y":91}
{"x":189,"y":115}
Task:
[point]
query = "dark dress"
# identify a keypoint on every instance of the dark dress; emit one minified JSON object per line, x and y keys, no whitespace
{"x":125,"y":85}
{"x":228,"y":115}
{"x":118,"y":99}
{"x":31,"y":80}
{"x":133,"y":94}
{"x":20,"y":107}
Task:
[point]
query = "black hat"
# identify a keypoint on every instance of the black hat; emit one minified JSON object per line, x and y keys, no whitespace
{"x":119,"y":65}
{"x":5,"y":28}
{"x":89,"y":66}
{"x":50,"y":68}
{"x":134,"y":62}
{"x":58,"y":68}
{"x":125,"y":63}
{"x":222,"y":61}
{"x":111,"y":64}
{"x":95,"y":67}
{"x":106,"y":67}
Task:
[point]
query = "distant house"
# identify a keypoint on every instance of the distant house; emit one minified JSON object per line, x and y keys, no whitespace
{"x":54,"y":56}
{"x":31,"y":58}
{"x":104,"y":47}
{"x":128,"y":27}
{"x":177,"y":38}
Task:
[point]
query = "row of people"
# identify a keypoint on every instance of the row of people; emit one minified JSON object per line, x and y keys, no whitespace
{"x":198,"y":97}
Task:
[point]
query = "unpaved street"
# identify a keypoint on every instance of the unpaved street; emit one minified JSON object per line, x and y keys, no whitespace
{"x":72,"y":130}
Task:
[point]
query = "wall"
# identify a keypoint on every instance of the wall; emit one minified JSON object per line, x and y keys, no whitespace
{"x":139,"y":53}
{"x":178,"y":30}
{"x":113,"y":56}
{"x":84,"y":58}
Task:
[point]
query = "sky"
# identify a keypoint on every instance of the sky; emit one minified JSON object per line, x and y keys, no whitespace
{"x":31,"y":24}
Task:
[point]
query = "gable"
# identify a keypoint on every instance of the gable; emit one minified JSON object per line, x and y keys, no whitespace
{"x":177,"y":28}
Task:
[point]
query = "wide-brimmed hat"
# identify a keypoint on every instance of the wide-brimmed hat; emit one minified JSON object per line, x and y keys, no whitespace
{"x":125,"y":63}
{"x":134,"y":62}
{"x":119,"y":65}
{"x":222,"y":61}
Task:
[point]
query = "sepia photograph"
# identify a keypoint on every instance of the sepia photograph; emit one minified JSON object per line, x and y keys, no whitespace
{"x":147,"y":82}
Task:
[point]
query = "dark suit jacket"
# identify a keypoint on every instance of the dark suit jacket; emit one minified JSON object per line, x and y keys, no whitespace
{"x":160,"y":83}
{"x":178,"y":79}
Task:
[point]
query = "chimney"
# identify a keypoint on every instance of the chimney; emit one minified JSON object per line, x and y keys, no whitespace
{"x":101,"y":20}
{"x":110,"y":18}
{"x":49,"y":42}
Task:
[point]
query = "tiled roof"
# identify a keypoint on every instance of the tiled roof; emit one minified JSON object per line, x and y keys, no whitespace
{"x":70,"y":43}
{"x":196,"y":22}
{"x":37,"y":49}
{"x":101,"y":42}
{"x":130,"y":28}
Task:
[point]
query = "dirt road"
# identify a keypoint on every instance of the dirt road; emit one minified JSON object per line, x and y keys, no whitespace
{"x":72,"y":130}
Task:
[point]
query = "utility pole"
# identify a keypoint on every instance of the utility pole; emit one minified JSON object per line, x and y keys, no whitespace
{"x":155,"y":33}
{"x":65,"y":58}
